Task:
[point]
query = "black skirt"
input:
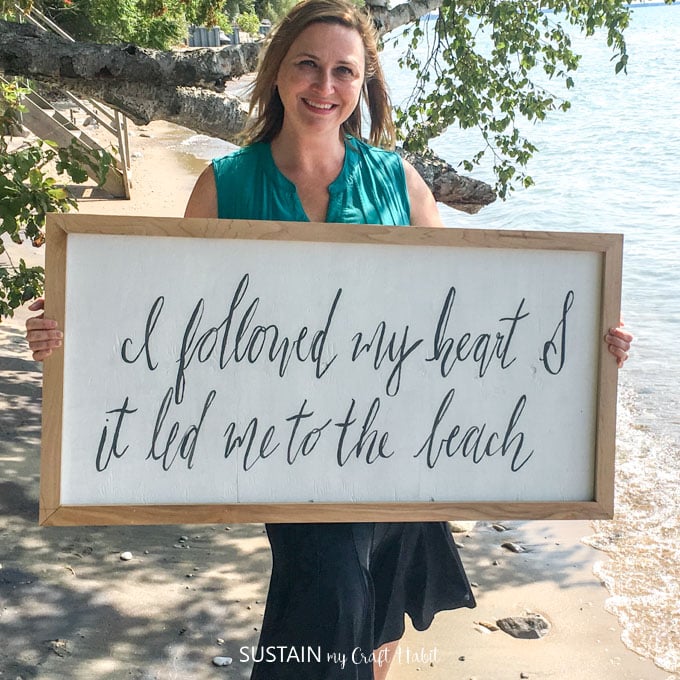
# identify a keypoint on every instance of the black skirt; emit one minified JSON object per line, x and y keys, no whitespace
{"x":340,"y":591}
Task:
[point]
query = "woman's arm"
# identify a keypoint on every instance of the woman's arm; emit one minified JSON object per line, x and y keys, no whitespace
{"x":424,"y":212}
{"x":203,"y":199}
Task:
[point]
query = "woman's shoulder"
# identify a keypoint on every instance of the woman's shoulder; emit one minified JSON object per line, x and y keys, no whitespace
{"x":239,"y":157}
{"x":364,"y":148}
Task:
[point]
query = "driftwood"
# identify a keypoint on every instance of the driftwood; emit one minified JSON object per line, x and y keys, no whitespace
{"x":188,"y":87}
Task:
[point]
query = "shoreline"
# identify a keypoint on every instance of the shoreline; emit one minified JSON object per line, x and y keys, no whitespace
{"x":71,"y":608}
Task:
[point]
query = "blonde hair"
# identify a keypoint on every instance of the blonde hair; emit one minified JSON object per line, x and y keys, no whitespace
{"x":266,"y":108}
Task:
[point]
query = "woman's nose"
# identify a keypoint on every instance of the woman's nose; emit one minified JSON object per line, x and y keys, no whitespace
{"x":324,"y":81}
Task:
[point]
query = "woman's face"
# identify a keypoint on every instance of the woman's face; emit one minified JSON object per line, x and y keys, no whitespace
{"x":320,"y":78}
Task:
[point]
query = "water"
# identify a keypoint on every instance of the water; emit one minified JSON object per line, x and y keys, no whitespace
{"x":610,"y":165}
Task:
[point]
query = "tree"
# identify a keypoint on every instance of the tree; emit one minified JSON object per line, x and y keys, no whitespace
{"x":480,"y":71}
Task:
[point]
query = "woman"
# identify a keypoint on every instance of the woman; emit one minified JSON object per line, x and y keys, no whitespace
{"x":340,"y":588}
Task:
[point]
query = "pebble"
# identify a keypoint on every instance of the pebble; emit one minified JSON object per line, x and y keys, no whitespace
{"x":137,"y":154}
{"x":126,"y":556}
{"x":499,"y":527}
{"x":513,"y":547}
{"x":529,"y":627}
{"x":524,"y":676}
{"x":222,"y":660}
{"x":489,"y":626}
{"x":462,"y":527}
{"x":220,"y":641}
{"x":60,"y":647}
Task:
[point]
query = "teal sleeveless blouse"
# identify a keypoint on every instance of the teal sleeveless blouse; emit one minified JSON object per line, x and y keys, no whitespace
{"x":370,"y":189}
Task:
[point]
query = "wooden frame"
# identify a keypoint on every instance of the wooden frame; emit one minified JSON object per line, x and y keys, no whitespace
{"x":53,"y":512}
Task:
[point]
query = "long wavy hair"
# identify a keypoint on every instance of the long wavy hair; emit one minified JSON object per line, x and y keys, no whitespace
{"x":266,"y":108}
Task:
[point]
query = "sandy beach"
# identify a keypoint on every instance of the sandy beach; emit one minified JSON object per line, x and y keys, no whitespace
{"x":71,"y":608}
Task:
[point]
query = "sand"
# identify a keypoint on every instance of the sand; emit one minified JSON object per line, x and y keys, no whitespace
{"x":71,"y":608}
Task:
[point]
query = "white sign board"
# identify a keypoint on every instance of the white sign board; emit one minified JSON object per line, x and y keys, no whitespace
{"x":320,"y":376}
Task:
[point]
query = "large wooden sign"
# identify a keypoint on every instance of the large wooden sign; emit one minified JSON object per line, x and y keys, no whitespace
{"x":220,"y":371}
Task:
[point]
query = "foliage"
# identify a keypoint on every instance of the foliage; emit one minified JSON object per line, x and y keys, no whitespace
{"x":28,"y":193}
{"x":483,"y":68}
{"x":274,"y":10}
{"x":248,"y":22}
{"x":159,"y":24}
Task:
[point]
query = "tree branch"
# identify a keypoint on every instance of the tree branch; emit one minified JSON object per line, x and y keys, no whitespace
{"x":387,"y":20}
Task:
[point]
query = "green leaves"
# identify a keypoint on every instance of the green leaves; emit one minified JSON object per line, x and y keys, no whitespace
{"x":28,"y":192}
{"x":485,"y":65}
{"x":18,"y":285}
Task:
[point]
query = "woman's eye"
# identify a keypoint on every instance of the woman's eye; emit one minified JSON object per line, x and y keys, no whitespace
{"x":307,"y":63}
{"x":345,"y":71}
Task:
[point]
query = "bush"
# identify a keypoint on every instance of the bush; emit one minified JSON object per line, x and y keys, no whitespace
{"x":248,"y":22}
{"x":28,"y":193}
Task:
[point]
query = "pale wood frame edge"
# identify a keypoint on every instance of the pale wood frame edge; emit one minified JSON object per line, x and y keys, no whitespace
{"x":612,"y":270}
{"x":74,"y":515}
{"x":53,"y":372}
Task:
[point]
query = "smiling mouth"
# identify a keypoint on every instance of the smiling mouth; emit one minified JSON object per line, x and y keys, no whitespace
{"x":318,"y":105}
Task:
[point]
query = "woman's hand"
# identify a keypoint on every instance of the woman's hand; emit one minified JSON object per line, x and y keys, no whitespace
{"x":43,"y":334}
{"x":618,"y":342}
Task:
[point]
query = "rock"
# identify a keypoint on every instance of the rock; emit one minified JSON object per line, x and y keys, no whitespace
{"x":529,"y":627}
{"x":126,"y":556}
{"x":222,"y":661}
{"x":137,"y":154}
{"x":524,"y":676}
{"x":60,"y":647}
{"x":220,"y":641}
{"x":499,"y":527}
{"x":461,"y":527}
{"x":513,"y":547}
